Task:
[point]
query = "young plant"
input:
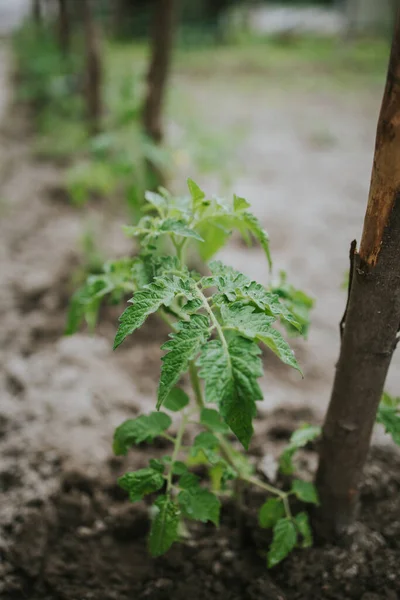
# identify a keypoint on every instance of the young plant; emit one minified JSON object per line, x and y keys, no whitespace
{"x":218,"y":323}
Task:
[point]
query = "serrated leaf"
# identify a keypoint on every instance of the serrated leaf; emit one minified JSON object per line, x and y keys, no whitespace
{"x":183,"y":347}
{"x":85,"y":303}
{"x":176,"y":400}
{"x":180,"y":228}
{"x":256,"y":325}
{"x":270,"y":512}
{"x":299,"y":438}
{"x":141,"y":482}
{"x":230,"y":376}
{"x":298,"y":304}
{"x":286,"y":460}
{"x":279,"y":346}
{"x":305,"y":491}
{"x":156,"y":200}
{"x":179,"y":468}
{"x":305,"y":434}
{"x":254,"y":227}
{"x":303,"y":526}
{"x":236,"y":286}
{"x":240,"y":203}
{"x":283,"y":541}
{"x":205,"y":440}
{"x":200,"y":505}
{"x":164,"y":528}
{"x":157,"y":465}
{"x":189,"y":481}
{"x":192,"y":306}
{"x":389,"y":416}
{"x":147,"y":301}
{"x":143,"y":429}
{"x":196,"y":192}
{"x":209,"y":417}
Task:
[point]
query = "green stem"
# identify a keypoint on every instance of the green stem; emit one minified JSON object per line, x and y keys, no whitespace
{"x":177,"y":447}
{"x":168,"y":437}
{"x":196,"y":385}
{"x":265,"y":486}
{"x":215,"y":323}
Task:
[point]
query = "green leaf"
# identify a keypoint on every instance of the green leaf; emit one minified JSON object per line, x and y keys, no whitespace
{"x":142,"y":482}
{"x":199,"y":504}
{"x":240,"y":203}
{"x":299,"y":438}
{"x":143,"y":429}
{"x":209,"y":417}
{"x":304,"y":434}
{"x":283,"y":542}
{"x":164,"y":528}
{"x":176,"y":400}
{"x":252,"y":224}
{"x":189,"y":481}
{"x":270,"y":512}
{"x":183,"y":347}
{"x":389,"y":416}
{"x":305,"y":491}
{"x":206,"y":440}
{"x":279,"y":346}
{"x":85,"y":303}
{"x":303,"y":526}
{"x":215,"y":237}
{"x":230,"y":374}
{"x":148,"y":300}
{"x":196,"y":192}
{"x":157,"y":465}
{"x":179,"y":468}
{"x":256,"y":325}
{"x":233,"y":285}
{"x":156,"y":200}
{"x":180,"y":228}
{"x":286,"y":465}
{"x":298,"y":304}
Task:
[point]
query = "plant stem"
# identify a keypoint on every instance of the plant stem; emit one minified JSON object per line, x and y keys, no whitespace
{"x":196,"y":385}
{"x":265,"y":486}
{"x":177,"y":447}
{"x":168,"y":437}
{"x":215,"y":322}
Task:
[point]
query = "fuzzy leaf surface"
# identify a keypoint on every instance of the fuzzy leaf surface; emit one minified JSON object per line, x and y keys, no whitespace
{"x":200,"y":505}
{"x":283,"y":542}
{"x":176,"y":400}
{"x":183,"y":347}
{"x":164,"y":528}
{"x":270,"y":512}
{"x":141,"y":482}
{"x":209,"y":417}
{"x":143,"y":429}
{"x":233,"y":285}
{"x":230,"y":374}
{"x":257,"y":326}
{"x":305,"y":491}
{"x":147,"y":301}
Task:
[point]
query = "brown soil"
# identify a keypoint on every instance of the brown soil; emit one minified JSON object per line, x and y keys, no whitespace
{"x":66,"y":530}
{"x":87,"y":541}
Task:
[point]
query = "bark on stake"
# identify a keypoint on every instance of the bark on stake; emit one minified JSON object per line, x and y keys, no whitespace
{"x":370,"y":328}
